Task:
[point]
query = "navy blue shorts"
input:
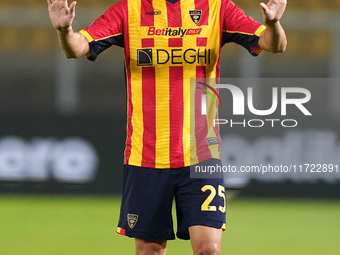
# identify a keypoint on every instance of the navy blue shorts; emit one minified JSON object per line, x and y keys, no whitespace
{"x":148,"y":195}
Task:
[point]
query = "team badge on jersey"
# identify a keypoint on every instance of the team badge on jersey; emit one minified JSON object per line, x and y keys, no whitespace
{"x":132,"y":220}
{"x":195,"y":16}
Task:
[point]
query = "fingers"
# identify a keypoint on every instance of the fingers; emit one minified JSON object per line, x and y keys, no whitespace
{"x":73,"y":7}
{"x":264,"y":7}
{"x":49,"y":2}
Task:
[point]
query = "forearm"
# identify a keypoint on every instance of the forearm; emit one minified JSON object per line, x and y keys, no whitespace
{"x":73,"y":45}
{"x":273,"y":38}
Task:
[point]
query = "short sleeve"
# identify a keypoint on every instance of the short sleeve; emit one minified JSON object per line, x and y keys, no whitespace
{"x":239,"y":28}
{"x":106,"y":31}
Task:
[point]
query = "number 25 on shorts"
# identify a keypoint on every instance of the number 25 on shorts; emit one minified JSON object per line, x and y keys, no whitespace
{"x":206,"y":204}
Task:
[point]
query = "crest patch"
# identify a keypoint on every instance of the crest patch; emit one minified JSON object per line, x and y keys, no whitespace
{"x":195,"y":15}
{"x":132,"y":220}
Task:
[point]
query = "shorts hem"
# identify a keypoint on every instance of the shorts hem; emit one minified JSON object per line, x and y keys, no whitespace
{"x":208,"y":223}
{"x":145,"y":235}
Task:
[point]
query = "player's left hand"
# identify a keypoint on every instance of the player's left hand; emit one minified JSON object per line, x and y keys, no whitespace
{"x":273,"y":11}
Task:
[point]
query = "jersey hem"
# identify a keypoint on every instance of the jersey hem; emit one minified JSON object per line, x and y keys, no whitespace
{"x":198,"y":222}
{"x":180,"y":164}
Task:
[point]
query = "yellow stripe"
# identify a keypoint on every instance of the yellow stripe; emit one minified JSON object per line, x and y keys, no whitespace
{"x":238,"y":32}
{"x":259,"y":31}
{"x":87,"y":35}
{"x":162,"y":94}
{"x":118,"y":230}
{"x":89,"y":38}
{"x":187,"y":121}
{"x":107,"y":37}
{"x":136,"y":85}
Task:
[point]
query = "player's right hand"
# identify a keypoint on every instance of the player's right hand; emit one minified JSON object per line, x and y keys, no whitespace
{"x":61,"y":14}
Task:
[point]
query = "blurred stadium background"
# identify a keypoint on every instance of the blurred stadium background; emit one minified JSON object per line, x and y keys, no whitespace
{"x":62,"y":137}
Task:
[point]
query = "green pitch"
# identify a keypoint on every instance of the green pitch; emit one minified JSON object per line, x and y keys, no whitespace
{"x":54,"y":225}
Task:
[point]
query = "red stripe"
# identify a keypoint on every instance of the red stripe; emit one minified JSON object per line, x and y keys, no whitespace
{"x":218,"y":67}
{"x":217,"y":132}
{"x":219,"y":47}
{"x":146,"y":19}
{"x":174,"y":14}
{"x":217,"y":127}
{"x":201,"y":41}
{"x":129,"y":128}
{"x":176,"y":116}
{"x":149,"y":116}
{"x":204,"y":6}
{"x":201,"y":127}
{"x":148,"y":42}
{"x":175,"y":42}
{"x":121,"y":231}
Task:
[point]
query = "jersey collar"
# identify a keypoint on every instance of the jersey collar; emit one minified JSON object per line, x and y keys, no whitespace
{"x":172,"y":1}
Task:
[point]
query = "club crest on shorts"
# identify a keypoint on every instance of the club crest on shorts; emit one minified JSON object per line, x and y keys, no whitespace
{"x":132,"y":220}
{"x":195,"y":15}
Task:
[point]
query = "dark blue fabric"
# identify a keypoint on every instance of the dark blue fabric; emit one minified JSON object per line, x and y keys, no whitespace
{"x":99,"y":46}
{"x":247,"y":41}
{"x":149,"y":194}
{"x":172,"y":1}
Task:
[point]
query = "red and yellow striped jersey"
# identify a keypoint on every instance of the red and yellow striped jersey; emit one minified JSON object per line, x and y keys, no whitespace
{"x":166,"y":43}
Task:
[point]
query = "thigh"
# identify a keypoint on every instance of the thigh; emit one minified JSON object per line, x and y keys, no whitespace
{"x":199,"y":202}
{"x":144,"y":247}
{"x":146,"y":204}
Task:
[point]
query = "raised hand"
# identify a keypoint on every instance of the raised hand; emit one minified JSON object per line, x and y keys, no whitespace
{"x":273,"y":11}
{"x":60,"y":14}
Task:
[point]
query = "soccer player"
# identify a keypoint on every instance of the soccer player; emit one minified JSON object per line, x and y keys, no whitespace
{"x":167,"y":42}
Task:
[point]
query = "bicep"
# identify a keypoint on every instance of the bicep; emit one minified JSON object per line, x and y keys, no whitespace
{"x":84,"y":46}
{"x":262,"y":44}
